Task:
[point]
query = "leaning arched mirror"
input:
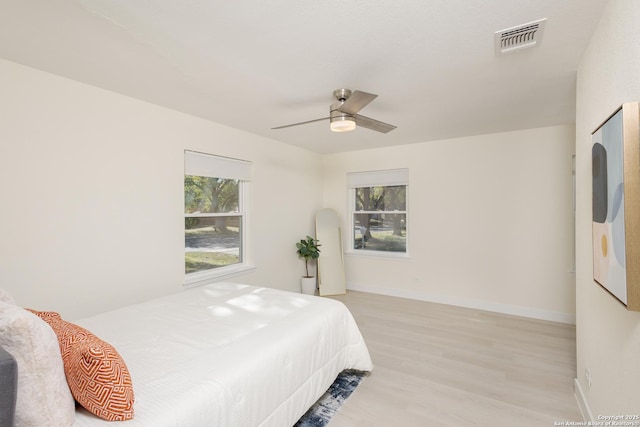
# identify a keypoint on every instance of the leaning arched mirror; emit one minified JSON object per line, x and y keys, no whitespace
{"x":331,"y":278}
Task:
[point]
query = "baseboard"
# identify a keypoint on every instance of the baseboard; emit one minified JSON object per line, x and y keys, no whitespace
{"x":533,"y":313}
{"x":582,"y":402}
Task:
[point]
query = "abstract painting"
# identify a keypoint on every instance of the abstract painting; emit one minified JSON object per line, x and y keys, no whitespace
{"x":615,"y":204}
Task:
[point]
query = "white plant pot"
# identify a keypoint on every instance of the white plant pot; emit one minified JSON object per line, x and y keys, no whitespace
{"x":308,"y":285}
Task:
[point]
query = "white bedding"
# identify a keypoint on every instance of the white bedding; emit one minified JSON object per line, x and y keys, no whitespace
{"x":229,"y":355}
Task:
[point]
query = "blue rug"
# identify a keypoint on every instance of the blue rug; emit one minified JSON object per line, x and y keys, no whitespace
{"x":325,"y":408}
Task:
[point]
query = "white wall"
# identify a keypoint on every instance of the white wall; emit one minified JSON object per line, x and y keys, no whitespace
{"x":91,"y":188}
{"x":608,"y":336}
{"x":490,"y":226}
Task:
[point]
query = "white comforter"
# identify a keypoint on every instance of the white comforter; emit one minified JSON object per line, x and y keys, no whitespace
{"x":229,"y":355}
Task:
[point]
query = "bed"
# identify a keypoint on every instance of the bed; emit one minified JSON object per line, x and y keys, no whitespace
{"x":228,"y":354}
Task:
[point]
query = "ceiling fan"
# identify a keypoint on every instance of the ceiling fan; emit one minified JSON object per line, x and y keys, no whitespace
{"x":343,"y":115}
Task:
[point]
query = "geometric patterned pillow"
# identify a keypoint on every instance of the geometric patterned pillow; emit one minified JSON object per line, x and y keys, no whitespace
{"x":97,"y":375}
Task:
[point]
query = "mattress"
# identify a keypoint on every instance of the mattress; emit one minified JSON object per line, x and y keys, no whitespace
{"x":229,"y":355}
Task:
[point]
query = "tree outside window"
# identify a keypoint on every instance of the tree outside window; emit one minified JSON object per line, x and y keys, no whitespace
{"x":213,"y":223}
{"x":380,"y":218}
{"x":216,"y":190}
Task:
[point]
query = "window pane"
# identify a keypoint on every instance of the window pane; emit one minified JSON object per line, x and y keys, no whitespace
{"x":380,"y":232}
{"x":210,"y":195}
{"x":212,"y":242}
{"x":381,"y":198}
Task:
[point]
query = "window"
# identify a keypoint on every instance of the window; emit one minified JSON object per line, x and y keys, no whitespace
{"x":215,"y":215}
{"x":378,"y":209}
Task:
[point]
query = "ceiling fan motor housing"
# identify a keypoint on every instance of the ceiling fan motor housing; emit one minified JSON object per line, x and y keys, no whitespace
{"x":340,"y":121}
{"x":334,"y":111}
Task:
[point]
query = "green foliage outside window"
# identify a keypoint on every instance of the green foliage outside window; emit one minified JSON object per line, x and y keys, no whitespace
{"x":211,"y":241}
{"x":380,"y":218}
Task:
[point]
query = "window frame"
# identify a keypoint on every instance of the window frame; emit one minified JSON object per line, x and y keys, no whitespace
{"x":246,"y":261}
{"x":370,"y":181}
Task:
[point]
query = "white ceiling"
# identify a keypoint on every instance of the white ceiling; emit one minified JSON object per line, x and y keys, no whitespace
{"x":256,"y":64}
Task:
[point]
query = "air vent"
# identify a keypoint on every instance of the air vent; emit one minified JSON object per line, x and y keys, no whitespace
{"x":520,"y":37}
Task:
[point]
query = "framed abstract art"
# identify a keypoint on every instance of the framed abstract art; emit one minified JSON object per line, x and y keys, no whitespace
{"x":616,"y":205}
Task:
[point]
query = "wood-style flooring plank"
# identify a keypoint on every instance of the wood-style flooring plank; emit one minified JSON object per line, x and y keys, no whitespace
{"x":440,"y":365}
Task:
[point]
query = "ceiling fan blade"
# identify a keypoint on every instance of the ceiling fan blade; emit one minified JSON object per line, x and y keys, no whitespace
{"x":373,"y":124}
{"x":301,"y":123}
{"x":357,"y":101}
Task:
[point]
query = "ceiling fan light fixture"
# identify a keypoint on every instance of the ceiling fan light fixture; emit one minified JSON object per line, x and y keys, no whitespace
{"x":343,"y":115}
{"x":343,"y":123}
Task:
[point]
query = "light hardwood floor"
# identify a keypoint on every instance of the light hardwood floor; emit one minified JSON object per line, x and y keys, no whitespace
{"x":439,"y":365}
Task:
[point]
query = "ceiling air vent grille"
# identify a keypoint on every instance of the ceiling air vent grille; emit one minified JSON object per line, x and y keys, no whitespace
{"x":520,"y":37}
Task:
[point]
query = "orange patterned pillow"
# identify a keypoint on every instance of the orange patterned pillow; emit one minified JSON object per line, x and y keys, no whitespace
{"x":97,"y":375}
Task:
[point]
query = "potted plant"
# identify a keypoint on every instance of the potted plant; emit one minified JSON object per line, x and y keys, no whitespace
{"x":309,"y":250}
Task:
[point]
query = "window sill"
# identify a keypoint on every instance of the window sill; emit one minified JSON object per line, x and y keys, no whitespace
{"x":379,"y":255}
{"x":205,"y":277}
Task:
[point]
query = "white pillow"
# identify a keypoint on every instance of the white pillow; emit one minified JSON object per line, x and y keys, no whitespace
{"x":6,"y":297}
{"x":44,"y":398}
